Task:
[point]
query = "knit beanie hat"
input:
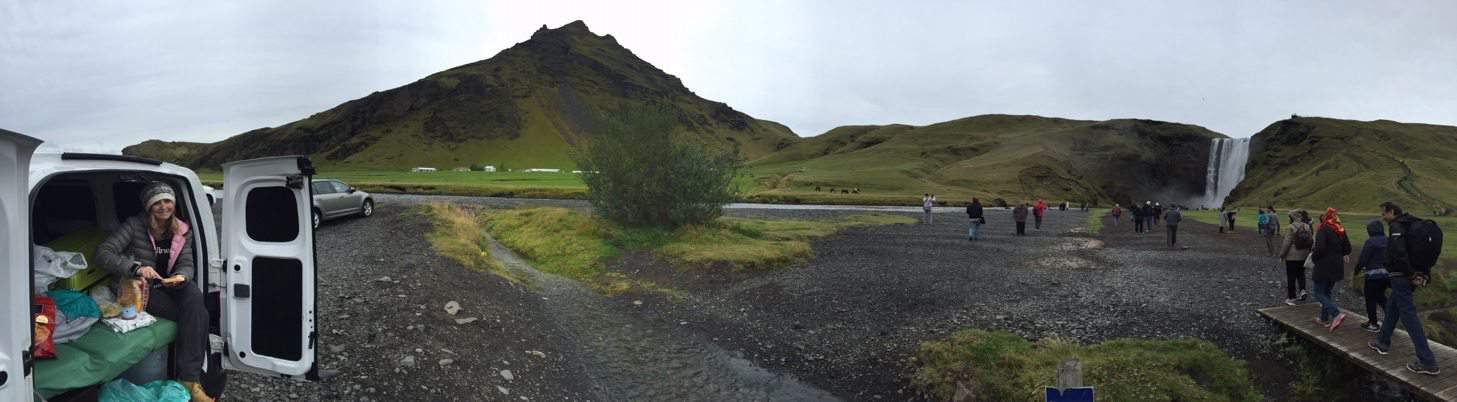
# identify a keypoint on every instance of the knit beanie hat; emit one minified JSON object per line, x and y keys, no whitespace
{"x":157,"y":191}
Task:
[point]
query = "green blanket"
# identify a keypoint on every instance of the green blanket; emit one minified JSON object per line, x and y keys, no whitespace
{"x":99,"y":356}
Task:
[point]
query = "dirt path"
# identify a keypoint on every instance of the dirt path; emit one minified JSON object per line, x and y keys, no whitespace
{"x":628,"y":358}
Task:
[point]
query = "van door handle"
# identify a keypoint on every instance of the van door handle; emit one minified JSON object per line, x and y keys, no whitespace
{"x":242,"y":291}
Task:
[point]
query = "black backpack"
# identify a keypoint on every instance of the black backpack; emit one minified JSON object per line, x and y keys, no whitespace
{"x":1423,"y":244}
{"x":1303,"y":238}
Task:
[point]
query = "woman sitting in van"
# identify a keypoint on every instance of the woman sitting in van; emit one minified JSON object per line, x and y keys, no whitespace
{"x":157,"y":247}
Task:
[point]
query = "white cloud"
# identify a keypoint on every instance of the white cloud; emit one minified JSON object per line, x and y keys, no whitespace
{"x":107,"y":75}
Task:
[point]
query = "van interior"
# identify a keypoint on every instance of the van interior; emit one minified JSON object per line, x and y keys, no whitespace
{"x":75,"y":212}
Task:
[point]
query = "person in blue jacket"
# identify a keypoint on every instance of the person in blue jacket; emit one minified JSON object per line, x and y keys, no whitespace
{"x":1373,"y":263}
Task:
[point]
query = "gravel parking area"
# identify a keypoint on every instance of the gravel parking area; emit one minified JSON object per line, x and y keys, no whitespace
{"x":840,"y":326}
{"x":384,"y":329}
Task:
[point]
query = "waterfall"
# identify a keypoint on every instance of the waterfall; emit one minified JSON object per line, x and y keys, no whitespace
{"x":1227,"y":157}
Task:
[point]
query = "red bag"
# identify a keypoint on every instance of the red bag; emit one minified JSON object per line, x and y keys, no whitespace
{"x":43,"y":346}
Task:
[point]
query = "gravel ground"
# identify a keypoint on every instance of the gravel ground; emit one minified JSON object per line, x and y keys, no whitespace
{"x":840,"y":326}
{"x":383,"y":325}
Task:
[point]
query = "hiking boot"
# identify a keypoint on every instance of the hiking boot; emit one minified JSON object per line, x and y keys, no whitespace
{"x":195,"y":389}
{"x":1336,"y":323}
{"x":1371,"y":326}
{"x":1381,"y":350}
{"x":1323,"y":324}
{"x":1303,"y":295}
{"x":1290,"y":302}
{"x":1416,"y":367}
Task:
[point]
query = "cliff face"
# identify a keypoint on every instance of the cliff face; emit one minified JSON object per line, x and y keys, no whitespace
{"x":1011,"y":157}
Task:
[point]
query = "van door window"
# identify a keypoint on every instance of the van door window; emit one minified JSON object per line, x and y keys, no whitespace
{"x":269,"y":215}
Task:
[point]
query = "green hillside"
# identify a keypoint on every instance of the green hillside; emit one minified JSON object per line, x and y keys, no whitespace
{"x":1319,"y":162}
{"x":167,"y":150}
{"x":524,"y":107}
{"x":992,"y":156}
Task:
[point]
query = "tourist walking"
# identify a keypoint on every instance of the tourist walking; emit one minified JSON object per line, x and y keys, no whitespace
{"x":1229,"y":215}
{"x":1019,"y":215}
{"x":1293,"y":250}
{"x":1117,"y":213}
{"x":974,"y":212}
{"x":1269,"y":223}
{"x":1331,"y":251}
{"x":1372,"y":262}
{"x":1404,"y":276}
{"x":1038,"y":210}
{"x":927,"y":202}
{"x":1158,"y":211}
{"x":1147,"y":216}
{"x":1137,"y":218}
{"x":1172,"y":221}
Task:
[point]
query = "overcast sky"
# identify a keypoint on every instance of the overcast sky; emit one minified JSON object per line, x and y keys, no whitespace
{"x":102,"y":75}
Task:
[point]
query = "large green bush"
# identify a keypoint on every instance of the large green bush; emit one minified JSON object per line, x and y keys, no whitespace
{"x":639,"y":173}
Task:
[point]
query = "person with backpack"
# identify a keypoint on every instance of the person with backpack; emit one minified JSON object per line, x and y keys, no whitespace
{"x":1373,"y":263}
{"x":1329,"y":253}
{"x":1172,"y":221}
{"x":974,"y":212}
{"x":1038,"y":210}
{"x":1158,"y":211}
{"x":1293,"y":250}
{"x":1117,"y":213}
{"x":1411,"y":250}
{"x":1271,"y":228}
{"x":1019,"y":215}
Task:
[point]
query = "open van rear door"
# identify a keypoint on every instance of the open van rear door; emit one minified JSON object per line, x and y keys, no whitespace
{"x":268,"y":246}
{"x":15,"y":362}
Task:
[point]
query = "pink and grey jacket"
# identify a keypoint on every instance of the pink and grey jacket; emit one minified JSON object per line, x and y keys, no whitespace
{"x":130,"y":247}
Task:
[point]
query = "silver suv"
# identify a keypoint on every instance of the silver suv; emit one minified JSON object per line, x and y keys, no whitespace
{"x":333,"y":199}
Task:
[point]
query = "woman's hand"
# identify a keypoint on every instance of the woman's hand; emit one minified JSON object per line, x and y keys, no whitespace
{"x":174,"y":280}
{"x":147,"y":272}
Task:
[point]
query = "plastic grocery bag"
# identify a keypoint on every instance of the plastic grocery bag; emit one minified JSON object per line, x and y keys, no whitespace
{"x":160,"y":391}
{"x":51,"y":265}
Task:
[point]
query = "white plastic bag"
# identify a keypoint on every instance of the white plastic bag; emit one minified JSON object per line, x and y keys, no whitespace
{"x":51,"y":265}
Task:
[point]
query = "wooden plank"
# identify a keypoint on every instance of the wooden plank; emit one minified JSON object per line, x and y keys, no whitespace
{"x":1349,"y":341}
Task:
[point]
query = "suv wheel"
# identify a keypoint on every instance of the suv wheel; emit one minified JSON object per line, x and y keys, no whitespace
{"x":367,"y":209}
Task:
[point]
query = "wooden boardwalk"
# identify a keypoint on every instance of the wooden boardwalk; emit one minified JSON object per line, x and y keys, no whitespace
{"x":1349,"y":341}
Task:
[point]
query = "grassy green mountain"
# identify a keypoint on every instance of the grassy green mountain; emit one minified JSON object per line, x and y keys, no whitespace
{"x":524,"y":107}
{"x":167,"y":150}
{"x":1317,"y":162}
{"x":993,"y":156}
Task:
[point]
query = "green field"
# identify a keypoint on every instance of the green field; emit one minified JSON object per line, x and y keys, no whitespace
{"x":506,"y":184}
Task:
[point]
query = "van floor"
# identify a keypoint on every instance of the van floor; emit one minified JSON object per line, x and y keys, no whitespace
{"x":384,"y":329}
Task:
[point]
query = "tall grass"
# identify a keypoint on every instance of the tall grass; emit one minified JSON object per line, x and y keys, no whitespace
{"x":456,"y":234}
{"x":576,"y":245}
{"x":1001,"y":366}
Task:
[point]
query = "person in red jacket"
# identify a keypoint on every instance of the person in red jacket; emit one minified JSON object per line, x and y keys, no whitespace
{"x":1039,"y":209}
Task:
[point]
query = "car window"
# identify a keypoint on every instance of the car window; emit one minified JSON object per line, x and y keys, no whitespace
{"x":339,"y":187}
{"x":322,"y":187}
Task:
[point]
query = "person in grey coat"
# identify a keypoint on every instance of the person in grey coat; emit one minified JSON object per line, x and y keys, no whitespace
{"x":156,"y":247}
{"x":1171,"y":220}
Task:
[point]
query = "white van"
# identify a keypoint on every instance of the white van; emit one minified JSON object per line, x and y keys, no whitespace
{"x":258,"y":276}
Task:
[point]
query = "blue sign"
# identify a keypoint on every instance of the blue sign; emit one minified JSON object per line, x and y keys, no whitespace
{"x":1079,"y":394}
